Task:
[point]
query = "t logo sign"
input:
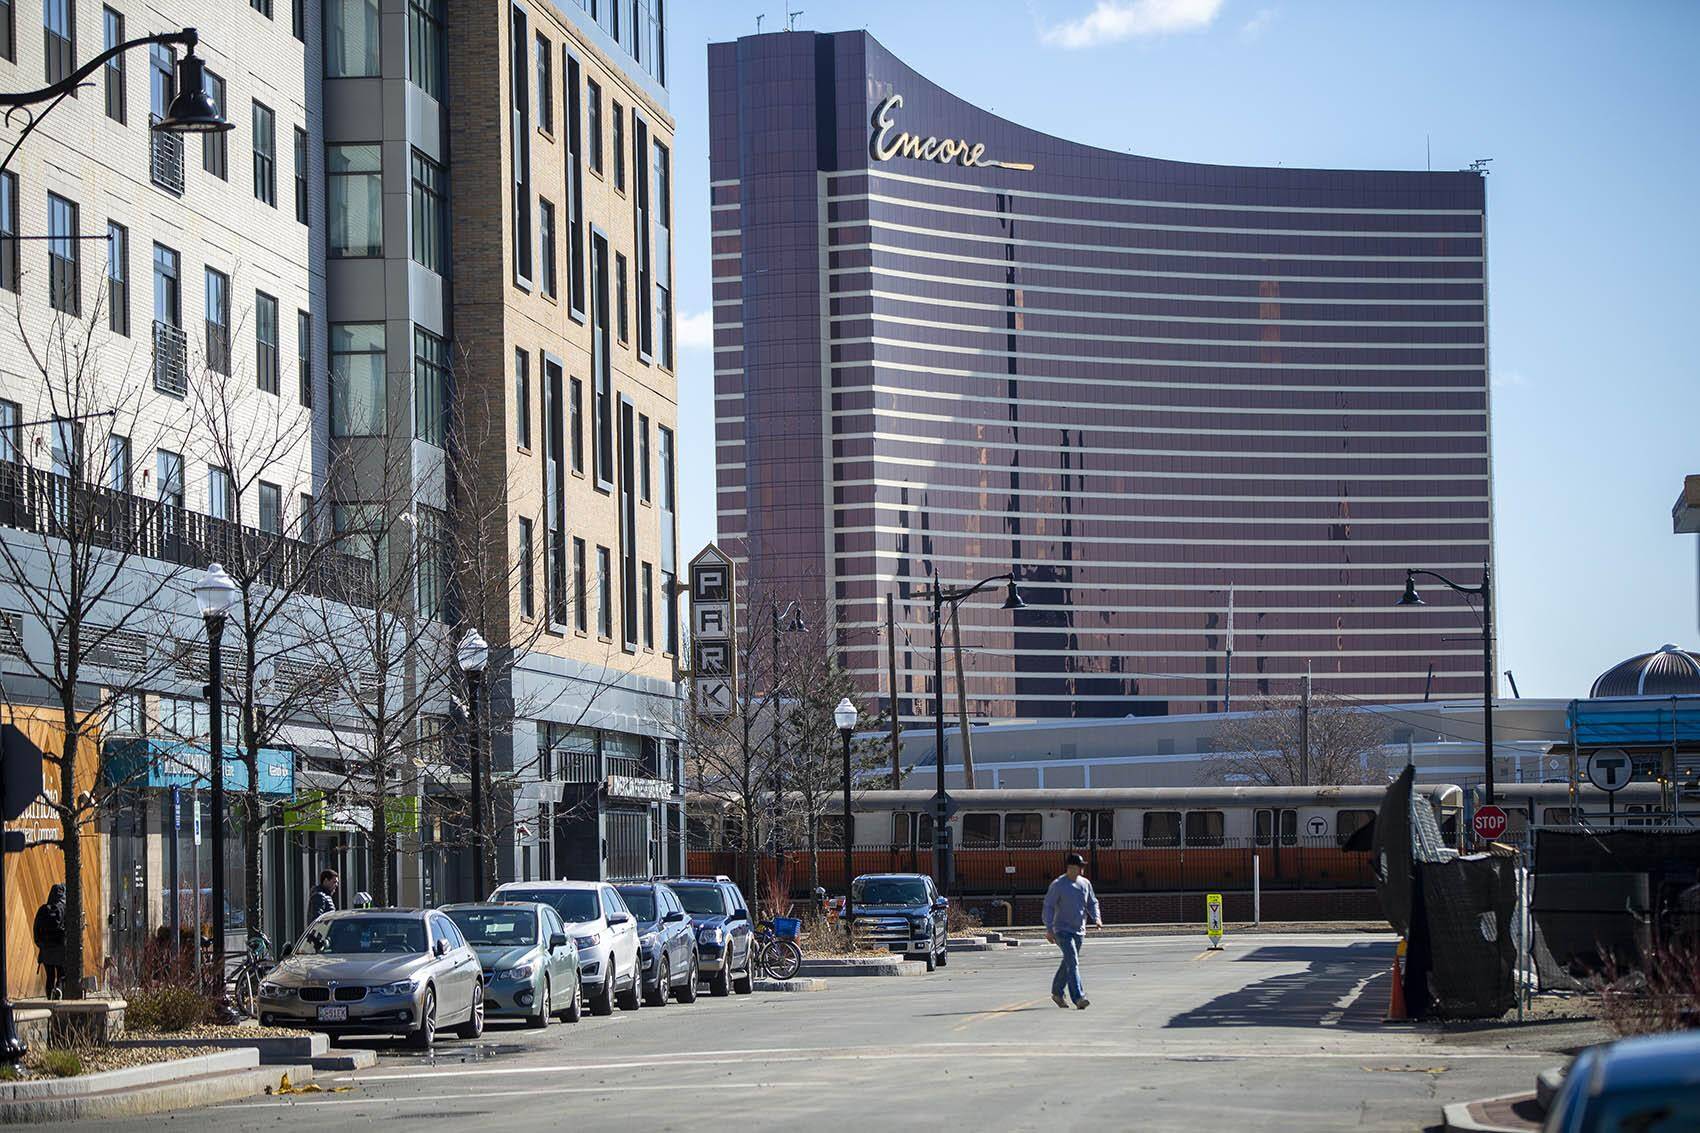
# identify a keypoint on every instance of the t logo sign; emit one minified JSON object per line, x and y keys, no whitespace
{"x":1610,"y":769}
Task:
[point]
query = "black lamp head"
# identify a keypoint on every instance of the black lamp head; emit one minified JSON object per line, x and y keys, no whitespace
{"x":1410,"y":597}
{"x":192,"y":110}
{"x":796,"y":625}
{"x":1012,"y":600}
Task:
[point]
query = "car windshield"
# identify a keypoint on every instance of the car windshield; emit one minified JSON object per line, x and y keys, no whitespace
{"x":1647,"y":1109}
{"x":703,"y":900}
{"x":641,"y":901}
{"x":890,"y":891}
{"x":574,"y":905}
{"x":365,"y":936}
{"x":507,"y":927}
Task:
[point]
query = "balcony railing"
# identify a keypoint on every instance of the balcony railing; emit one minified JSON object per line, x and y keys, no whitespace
{"x":165,"y":158}
{"x":170,"y":359}
{"x":45,"y":503}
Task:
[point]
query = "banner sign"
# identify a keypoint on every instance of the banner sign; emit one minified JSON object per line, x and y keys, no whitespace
{"x":714,"y":619}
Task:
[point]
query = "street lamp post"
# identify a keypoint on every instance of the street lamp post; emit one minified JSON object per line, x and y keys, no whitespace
{"x":191,"y":110}
{"x":845,"y":717}
{"x":953,"y":597}
{"x":215,"y":594}
{"x":1485,"y":590}
{"x":788,"y":620}
{"x":473,"y":654}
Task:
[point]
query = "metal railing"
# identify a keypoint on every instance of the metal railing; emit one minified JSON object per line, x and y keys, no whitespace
{"x":170,"y":359}
{"x":165,"y":158}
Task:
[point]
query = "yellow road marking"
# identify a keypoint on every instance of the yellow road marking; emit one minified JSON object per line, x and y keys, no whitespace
{"x":1207,"y":952}
{"x":1004,"y":1010}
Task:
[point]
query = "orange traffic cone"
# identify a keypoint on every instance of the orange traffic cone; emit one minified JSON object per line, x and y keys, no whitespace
{"x":1396,"y":997}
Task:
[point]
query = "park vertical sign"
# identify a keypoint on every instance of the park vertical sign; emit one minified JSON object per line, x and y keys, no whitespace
{"x":714,"y":620}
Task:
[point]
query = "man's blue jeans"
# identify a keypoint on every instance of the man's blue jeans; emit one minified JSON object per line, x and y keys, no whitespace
{"x":1068,"y":972}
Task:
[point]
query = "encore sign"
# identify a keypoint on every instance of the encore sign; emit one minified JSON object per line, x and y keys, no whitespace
{"x":883,"y":144}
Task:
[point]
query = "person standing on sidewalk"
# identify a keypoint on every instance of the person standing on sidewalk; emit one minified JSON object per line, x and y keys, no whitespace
{"x":322,"y":899}
{"x":1070,"y":905}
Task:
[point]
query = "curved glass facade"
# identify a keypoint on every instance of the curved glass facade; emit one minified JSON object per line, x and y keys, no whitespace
{"x":1137,"y":383}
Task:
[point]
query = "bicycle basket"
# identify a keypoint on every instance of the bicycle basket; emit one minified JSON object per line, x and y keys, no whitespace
{"x":787,"y":927}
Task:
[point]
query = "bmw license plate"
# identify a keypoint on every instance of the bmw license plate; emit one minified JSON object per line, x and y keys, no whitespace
{"x":333,"y":1014}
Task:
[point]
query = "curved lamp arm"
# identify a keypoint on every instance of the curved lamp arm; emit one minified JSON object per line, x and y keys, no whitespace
{"x":1444,"y":581}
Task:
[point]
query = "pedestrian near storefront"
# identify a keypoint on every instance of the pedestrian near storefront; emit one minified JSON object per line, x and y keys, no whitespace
{"x":322,"y":899}
{"x":50,"y":940}
{"x":1070,"y":905}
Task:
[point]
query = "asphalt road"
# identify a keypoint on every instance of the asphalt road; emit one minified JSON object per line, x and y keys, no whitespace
{"x":1274,"y":1032}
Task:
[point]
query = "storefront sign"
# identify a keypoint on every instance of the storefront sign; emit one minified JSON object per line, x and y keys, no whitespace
{"x":170,"y":763}
{"x":714,"y":617}
{"x":884,"y":144}
{"x":650,"y":790}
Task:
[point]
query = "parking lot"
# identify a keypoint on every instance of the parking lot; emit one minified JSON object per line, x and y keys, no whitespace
{"x":1275,"y":1032}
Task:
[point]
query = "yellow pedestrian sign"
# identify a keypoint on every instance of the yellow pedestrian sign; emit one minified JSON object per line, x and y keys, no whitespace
{"x":1213,"y":919}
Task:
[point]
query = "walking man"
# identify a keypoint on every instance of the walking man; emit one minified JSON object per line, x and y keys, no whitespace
{"x":49,"y":933}
{"x":322,"y":899}
{"x":1070,"y":905}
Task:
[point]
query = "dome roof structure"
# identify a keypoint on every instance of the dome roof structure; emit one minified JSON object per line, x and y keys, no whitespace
{"x":1667,"y":671}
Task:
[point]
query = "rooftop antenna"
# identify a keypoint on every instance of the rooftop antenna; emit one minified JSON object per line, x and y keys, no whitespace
{"x":1428,"y":150}
{"x":791,"y":19}
{"x":1480,"y":165}
{"x":1514,"y":693}
{"x":759,"y":19}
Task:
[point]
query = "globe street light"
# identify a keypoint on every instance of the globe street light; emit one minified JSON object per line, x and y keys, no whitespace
{"x":845,"y":717}
{"x":1485,"y":590}
{"x":473,"y":655}
{"x":215,"y":594}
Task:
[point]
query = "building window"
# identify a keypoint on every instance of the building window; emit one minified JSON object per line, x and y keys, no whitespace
{"x":430,"y":387}
{"x":593,"y":122}
{"x":264,"y":7}
{"x":618,"y":118}
{"x":298,"y":19}
{"x":604,"y":592}
{"x":648,"y":606}
{"x":302,"y":167}
{"x":218,"y":322}
{"x":356,"y":200}
{"x":170,"y":343}
{"x":670,"y":605}
{"x":117,"y":278}
{"x":545,"y":86}
{"x":168,"y":473}
{"x":643,"y":457}
{"x":265,"y":342}
{"x":304,"y":358}
{"x":580,"y":614}
{"x":575,"y":193}
{"x":642,"y":264}
{"x":546,"y":246}
{"x":8,"y":31}
{"x":9,"y":231}
{"x":271,"y":508}
{"x":265,"y":155}
{"x":430,"y":214}
{"x":433,"y":551}
{"x":59,"y":27}
{"x":576,"y":424}
{"x":165,"y":151}
{"x":11,"y":439}
{"x":602,"y":368}
{"x":215,"y":144}
{"x":220,"y":498}
{"x":665,"y":440}
{"x":425,"y":46}
{"x":352,"y":37}
{"x":113,"y":72}
{"x":527,"y":596}
{"x":306,"y":523}
{"x":519,"y":84}
{"x":663,"y":211}
{"x":118,"y":462}
{"x":357,"y":380}
{"x":64,"y":262}
{"x":622,"y":323}
{"x":522,"y":399}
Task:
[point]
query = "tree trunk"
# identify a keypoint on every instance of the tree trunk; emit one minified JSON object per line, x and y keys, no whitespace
{"x":379,"y":841}
{"x":72,"y":849}
{"x":814,"y":856}
{"x":251,"y":838}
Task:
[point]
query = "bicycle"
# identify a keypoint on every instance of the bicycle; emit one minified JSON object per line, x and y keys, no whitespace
{"x":777,"y":956}
{"x":244,"y":982}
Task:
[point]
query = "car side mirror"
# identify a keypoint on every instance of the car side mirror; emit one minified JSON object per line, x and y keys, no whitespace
{"x":942,"y":903}
{"x":557,"y":940}
{"x":287,"y":949}
{"x":618,"y":918}
{"x":441,"y":948}
{"x":739,"y":915}
{"x":673,"y":918}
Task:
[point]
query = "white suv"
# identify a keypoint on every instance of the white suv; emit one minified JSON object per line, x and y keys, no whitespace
{"x":604,"y":931}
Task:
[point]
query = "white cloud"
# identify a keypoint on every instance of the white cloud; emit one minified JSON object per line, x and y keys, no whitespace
{"x":1510,"y":379}
{"x":1111,"y":21}
{"x":1258,"y":24}
{"x":696,"y":332}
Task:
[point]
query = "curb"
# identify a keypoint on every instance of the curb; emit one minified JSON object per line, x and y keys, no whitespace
{"x":873,"y":966}
{"x":1460,"y":1117}
{"x":970,"y":944}
{"x":272,"y":1048}
{"x":344,"y":1061}
{"x":153,"y":1073}
{"x":1547,"y":1084}
{"x":205,"y":1089}
{"x":801,"y":984}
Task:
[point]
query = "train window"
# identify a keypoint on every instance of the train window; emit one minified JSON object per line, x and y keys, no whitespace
{"x":1266,"y":827}
{"x":1560,"y":816}
{"x":1162,"y":827}
{"x":923,"y":829}
{"x":1023,"y":829}
{"x":1638,"y":813}
{"x":1093,"y":827}
{"x":1349,"y":822}
{"x":829,"y":831}
{"x":981,"y":829}
{"x":902,"y":829}
{"x":1205,"y":827}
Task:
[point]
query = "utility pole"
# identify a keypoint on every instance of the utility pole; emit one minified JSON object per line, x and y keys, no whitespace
{"x":1304,"y":728}
{"x":962,"y":701}
{"x":1228,"y":673}
{"x":896,"y":716}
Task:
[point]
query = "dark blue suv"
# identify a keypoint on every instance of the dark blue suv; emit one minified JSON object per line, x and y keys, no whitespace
{"x":904,"y":912}
{"x":725,"y":935}
{"x":667,"y":944}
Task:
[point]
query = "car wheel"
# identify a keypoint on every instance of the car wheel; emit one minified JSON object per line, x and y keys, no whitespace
{"x":687,"y":991}
{"x":931,"y":958}
{"x":545,"y":1008}
{"x":603,"y":1004}
{"x":474,"y":1025}
{"x":632,"y":998}
{"x":575,"y":1006}
{"x":663,"y":983}
{"x":720,"y":983}
{"x":426,"y":1034}
{"x":746,"y":983}
{"x":944,"y":949}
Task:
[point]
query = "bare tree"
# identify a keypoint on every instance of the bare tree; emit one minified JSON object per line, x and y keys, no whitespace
{"x":1264,"y":746}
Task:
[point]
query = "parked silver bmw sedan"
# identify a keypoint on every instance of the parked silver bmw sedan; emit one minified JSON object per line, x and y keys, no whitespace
{"x":378,"y":971}
{"x":530,"y":963}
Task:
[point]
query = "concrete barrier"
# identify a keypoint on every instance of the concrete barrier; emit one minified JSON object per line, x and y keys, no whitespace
{"x":829,"y":967}
{"x":799,"y":984}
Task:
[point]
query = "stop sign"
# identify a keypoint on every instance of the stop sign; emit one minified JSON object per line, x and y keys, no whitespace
{"x":1490,"y":823}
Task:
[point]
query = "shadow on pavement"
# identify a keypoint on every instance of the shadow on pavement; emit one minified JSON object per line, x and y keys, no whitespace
{"x":1309,"y":998}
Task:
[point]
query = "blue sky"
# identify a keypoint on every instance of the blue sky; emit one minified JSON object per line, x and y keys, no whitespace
{"x":1590,"y":113}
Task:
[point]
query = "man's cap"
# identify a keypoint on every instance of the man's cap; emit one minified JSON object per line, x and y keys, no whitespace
{"x":1074,"y":859}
